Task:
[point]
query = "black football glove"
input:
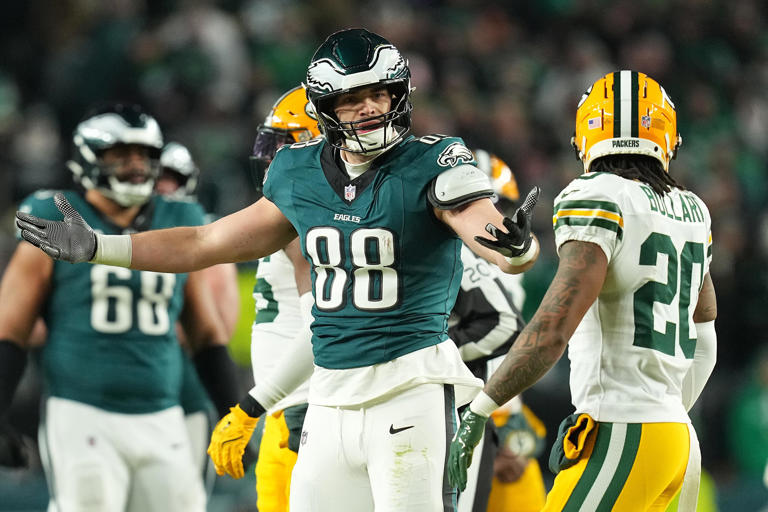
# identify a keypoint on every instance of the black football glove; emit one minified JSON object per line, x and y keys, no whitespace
{"x":517,"y":240}
{"x":70,"y":240}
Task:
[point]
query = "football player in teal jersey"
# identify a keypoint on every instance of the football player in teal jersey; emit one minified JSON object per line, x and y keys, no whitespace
{"x":381,"y":215}
{"x":113,"y":431}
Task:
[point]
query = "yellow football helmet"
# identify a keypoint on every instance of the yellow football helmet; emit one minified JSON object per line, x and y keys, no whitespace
{"x":292,"y":119}
{"x":626,"y":112}
{"x":502,"y":178}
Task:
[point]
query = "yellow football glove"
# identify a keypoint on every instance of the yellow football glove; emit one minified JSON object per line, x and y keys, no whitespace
{"x":228,"y":442}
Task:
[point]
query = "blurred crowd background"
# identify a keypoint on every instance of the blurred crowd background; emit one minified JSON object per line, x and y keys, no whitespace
{"x":505,"y":76}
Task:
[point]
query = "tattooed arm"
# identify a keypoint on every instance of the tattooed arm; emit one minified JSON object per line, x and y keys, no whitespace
{"x":580,"y":276}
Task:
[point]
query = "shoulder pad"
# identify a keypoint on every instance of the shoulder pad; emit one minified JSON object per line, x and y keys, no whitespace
{"x":458,"y":186}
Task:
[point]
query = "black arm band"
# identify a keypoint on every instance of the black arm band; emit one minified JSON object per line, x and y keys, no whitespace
{"x":13,"y":359}
{"x":218,"y":373}
{"x":251,"y":406}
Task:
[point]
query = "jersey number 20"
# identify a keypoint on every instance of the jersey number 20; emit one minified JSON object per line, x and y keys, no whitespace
{"x":653,"y":291}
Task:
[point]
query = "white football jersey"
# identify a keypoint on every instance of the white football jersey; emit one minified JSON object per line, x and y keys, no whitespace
{"x":278,"y":319}
{"x":634,"y":346}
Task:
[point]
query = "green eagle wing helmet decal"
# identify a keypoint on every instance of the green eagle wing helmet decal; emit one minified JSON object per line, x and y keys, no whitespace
{"x":354,"y":58}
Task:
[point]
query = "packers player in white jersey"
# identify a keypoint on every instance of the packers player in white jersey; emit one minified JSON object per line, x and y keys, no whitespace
{"x":283,"y":299}
{"x":634,"y":303}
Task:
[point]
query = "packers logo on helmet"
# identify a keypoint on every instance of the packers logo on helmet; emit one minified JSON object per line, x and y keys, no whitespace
{"x":626,"y":112}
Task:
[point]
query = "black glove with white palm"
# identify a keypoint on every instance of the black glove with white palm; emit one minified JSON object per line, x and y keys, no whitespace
{"x":71,"y":239}
{"x":516,"y":244}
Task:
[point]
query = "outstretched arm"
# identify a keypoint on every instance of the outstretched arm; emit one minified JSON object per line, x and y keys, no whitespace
{"x":251,"y":233}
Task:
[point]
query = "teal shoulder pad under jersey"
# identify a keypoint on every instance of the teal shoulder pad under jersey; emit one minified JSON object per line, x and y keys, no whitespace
{"x":385,"y":271}
{"x":111,"y":330}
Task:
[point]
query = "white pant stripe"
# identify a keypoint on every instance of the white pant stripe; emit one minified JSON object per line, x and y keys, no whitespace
{"x":608,"y":469}
{"x":626,"y":103}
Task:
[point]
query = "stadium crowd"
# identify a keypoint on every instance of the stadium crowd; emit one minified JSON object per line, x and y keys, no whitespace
{"x":504,"y":75}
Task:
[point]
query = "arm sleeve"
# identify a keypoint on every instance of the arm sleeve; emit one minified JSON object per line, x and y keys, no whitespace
{"x":295,"y":367}
{"x":703,"y":363}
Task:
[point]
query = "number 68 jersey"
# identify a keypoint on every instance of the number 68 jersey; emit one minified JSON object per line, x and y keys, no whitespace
{"x":635,"y":344}
{"x":111,"y":330}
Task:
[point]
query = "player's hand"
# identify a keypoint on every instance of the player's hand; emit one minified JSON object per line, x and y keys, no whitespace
{"x":70,"y":240}
{"x":469,"y":434}
{"x":517,"y":240}
{"x":14,"y":453}
{"x":508,"y":467}
{"x":228,"y":442}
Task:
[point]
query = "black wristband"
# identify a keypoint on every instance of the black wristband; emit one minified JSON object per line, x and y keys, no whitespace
{"x":251,"y":406}
{"x":218,"y":373}
{"x":13,"y":359}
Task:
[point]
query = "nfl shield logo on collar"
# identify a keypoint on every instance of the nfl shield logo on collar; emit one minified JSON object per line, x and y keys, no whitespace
{"x":349,"y":192}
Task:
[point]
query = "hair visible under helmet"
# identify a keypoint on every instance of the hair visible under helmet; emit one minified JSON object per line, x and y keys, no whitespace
{"x":104,"y":128}
{"x":627,"y":124}
{"x":353,"y":59}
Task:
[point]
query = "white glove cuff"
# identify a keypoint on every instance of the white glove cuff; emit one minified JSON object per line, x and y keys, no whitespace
{"x":483,"y":405}
{"x":525,"y":257}
{"x":114,"y":250}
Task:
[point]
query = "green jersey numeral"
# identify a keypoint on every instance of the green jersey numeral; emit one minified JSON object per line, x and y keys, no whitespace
{"x":680,"y":269}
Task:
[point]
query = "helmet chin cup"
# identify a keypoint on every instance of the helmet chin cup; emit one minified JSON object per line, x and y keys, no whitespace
{"x":128,"y":194}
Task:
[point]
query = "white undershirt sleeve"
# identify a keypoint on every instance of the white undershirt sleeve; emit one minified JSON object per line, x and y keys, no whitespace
{"x":703,"y":363}
{"x":294,"y":368}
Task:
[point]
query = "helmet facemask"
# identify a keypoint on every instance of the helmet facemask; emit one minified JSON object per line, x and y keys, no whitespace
{"x":370,"y":135}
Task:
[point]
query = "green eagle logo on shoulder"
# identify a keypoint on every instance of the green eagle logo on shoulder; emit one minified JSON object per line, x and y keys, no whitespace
{"x":455,"y":154}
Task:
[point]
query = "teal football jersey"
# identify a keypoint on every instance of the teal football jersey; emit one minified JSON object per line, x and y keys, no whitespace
{"x":385,"y":271}
{"x":111,"y":330}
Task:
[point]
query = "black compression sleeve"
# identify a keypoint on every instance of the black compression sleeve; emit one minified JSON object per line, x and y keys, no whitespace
{"x":251,"y":406}
{"x":13,"y":359}
{"x":218,"y":373}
